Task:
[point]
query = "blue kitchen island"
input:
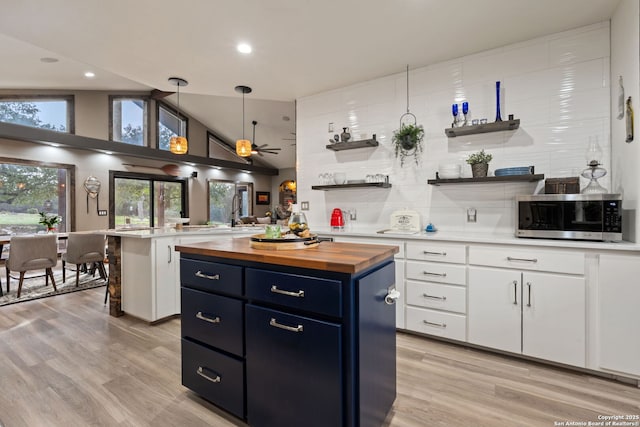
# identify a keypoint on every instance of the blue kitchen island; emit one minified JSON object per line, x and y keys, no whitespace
{"x":302,"y":337}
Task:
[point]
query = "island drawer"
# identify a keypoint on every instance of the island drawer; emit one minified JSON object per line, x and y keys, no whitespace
{"x":570,"y":262}
{"x":436,"y":251}
{"x":437,"y":272}
{"x":446,"y":325}
{"x":311,"y":294}
{"x":215,"y":376}
{"x":437,"y":296}
{"x":213,"y":319}
{"x":211,"y":276}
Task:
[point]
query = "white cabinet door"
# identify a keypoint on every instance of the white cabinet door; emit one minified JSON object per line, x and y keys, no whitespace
{"x":166,"y":283}
{"x":554,"y":318}
{"x":494,"y":311}
{"x":618,"y":308}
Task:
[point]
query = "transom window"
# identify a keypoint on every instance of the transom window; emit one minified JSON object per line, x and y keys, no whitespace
{"x":129,"y":120}
{"x":45,"y":112}
{"x":218,"y":149}
{"x":169,"y":125}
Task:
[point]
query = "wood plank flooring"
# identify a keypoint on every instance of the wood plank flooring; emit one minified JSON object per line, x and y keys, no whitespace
{"x":65,"y":362}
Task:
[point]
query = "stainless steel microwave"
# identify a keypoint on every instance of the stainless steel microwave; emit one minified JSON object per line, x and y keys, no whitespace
{"x":570,"y":216}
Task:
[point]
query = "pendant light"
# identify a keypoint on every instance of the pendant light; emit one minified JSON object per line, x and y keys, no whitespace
{"x":178,"y":144}
{"x":243,"y":146}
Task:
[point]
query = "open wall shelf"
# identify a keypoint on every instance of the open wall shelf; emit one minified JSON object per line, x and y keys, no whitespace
{"x":358,"y":185}
{"x":484,"y":128}
{"x":350,"y":145}
{"x":488,"y":179}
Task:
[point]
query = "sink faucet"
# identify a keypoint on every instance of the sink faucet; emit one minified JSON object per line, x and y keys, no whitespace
{"x":234,"y":210}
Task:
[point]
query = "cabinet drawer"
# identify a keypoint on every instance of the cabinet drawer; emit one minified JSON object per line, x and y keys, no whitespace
{"x":440,"y":252}
{"x":213,"y":319}
{"x":446,"y":325}
{"x":570,"y":262}
{"x":437,"y":272}
{"x":437,"y":296}
{"x":292,"y":290}
{"x":211,"y":276}
{"x":214,"y":376}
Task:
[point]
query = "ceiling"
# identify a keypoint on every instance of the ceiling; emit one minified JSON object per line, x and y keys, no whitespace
{"x":300,"y":48}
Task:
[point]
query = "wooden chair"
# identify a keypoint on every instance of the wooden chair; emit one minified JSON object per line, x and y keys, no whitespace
{"x":33,"y":252}
{"x":83,"y":249}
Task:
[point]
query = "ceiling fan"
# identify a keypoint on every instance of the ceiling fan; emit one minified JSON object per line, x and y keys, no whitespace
{"x":259,"y":149}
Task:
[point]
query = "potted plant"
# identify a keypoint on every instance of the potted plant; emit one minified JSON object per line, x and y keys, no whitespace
{"x":479,"y":163}
{"x":49,"y":221}
{"x":408,"y":141}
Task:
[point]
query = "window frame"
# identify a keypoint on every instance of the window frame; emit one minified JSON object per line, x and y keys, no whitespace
{"x":146,"y":118}
{"x":113,"y":175}
{"x":69,"y":99}
{"x":70,"y":192}
{"x":213,"y":138}
{"x":250,"y":198}
{"x":174,"y":111}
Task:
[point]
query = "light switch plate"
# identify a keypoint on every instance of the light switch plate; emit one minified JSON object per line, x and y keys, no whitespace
{"x":102,"y":212}
{"x":472,"y":215}
{"x":330,"y":127}
{"x":304,"y":206}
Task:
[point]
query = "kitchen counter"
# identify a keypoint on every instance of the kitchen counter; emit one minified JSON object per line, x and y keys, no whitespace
{"x":327,"y":256}
{"x":205,"y":230}
{"x":470,"y":237}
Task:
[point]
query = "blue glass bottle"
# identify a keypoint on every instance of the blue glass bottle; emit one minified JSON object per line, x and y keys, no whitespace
{"x":454,"y":111}
{"x":498,"y":118}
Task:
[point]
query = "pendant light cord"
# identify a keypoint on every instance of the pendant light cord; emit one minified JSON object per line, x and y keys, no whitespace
{"x":179,"y":127}
{"x":243,"y":114}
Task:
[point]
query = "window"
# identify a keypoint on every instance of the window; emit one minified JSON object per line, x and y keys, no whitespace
{"x":129,"y":120}
{"x":218,"y":149}
{"x":144,"y":200}
{"x":169,"y":125}
{"x":229,"y":199}
{"x":46,"y":112}
{"x":29,"y":187}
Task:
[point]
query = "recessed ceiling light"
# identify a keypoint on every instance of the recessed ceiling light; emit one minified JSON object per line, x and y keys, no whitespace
{"x":244,"y":48}
{"x":49,"y":60}
{"x":89,"y":74}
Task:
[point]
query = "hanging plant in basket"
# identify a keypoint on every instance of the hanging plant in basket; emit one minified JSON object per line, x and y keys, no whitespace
{"x":407,"y":140}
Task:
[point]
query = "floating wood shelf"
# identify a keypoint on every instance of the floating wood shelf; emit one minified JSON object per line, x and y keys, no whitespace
{"x":359,"y":185}
{"x":484,"y":128}
{"x":487,"y":179}
{"x":350,"y":145}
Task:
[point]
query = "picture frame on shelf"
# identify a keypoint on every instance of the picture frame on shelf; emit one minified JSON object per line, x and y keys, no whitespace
{"x":263,"y":197}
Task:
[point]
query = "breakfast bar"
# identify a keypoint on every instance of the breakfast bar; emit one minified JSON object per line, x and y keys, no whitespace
{"x":290,"y":337}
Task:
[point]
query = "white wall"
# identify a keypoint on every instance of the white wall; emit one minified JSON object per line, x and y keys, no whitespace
{"x":625,"y":62}
{"x":558,"y":86}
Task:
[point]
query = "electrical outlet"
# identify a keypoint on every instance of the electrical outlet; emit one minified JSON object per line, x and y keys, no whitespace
{"x":472,"y":215}
{"x":304,"y":206}
{"x":102,"y":212}
{"x":330,"y":127}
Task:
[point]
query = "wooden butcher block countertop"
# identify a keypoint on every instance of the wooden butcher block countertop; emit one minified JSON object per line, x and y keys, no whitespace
{"x":329,"y":256}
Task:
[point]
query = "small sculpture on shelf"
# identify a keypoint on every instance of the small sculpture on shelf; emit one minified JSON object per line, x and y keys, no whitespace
{"x":479,"y":163}
{"x":345,"y":136}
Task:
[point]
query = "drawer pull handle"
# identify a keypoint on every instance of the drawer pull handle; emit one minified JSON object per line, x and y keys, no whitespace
{"x":201,"y":316}
{"x":200,"y":372}
{"x":434,"y":274}
{"x":534,"y":260}
{"x":529,"y":286}
{"x":434,"y":297}
{"x":273,"y":322}
{"x":275,"y":290}
{"x":515,"y":292}
{"x":434,"y":253}
{"x":207,"y":276}
{"x":439,"y":325}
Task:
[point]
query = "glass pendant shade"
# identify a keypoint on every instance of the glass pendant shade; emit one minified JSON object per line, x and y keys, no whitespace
{"x":178,"y":145}
{"x":243,"y":148}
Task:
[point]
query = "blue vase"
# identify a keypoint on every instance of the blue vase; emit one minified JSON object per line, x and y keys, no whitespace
{"x":498,"y":118}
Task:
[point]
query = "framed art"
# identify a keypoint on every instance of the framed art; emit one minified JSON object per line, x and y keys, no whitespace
{"x":263,"y":197}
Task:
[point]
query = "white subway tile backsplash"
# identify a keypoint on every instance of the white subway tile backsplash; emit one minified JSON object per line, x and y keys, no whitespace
{"x":557,"y":85}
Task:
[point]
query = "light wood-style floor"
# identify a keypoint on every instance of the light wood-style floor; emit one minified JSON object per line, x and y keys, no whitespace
{"x":65,"y":362}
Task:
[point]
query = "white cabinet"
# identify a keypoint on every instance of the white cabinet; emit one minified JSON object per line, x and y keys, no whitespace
{"x":618,"y":308}
{"x":436,"y":289}
{"x":400,"y":269}
{"x":538,"y":314}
